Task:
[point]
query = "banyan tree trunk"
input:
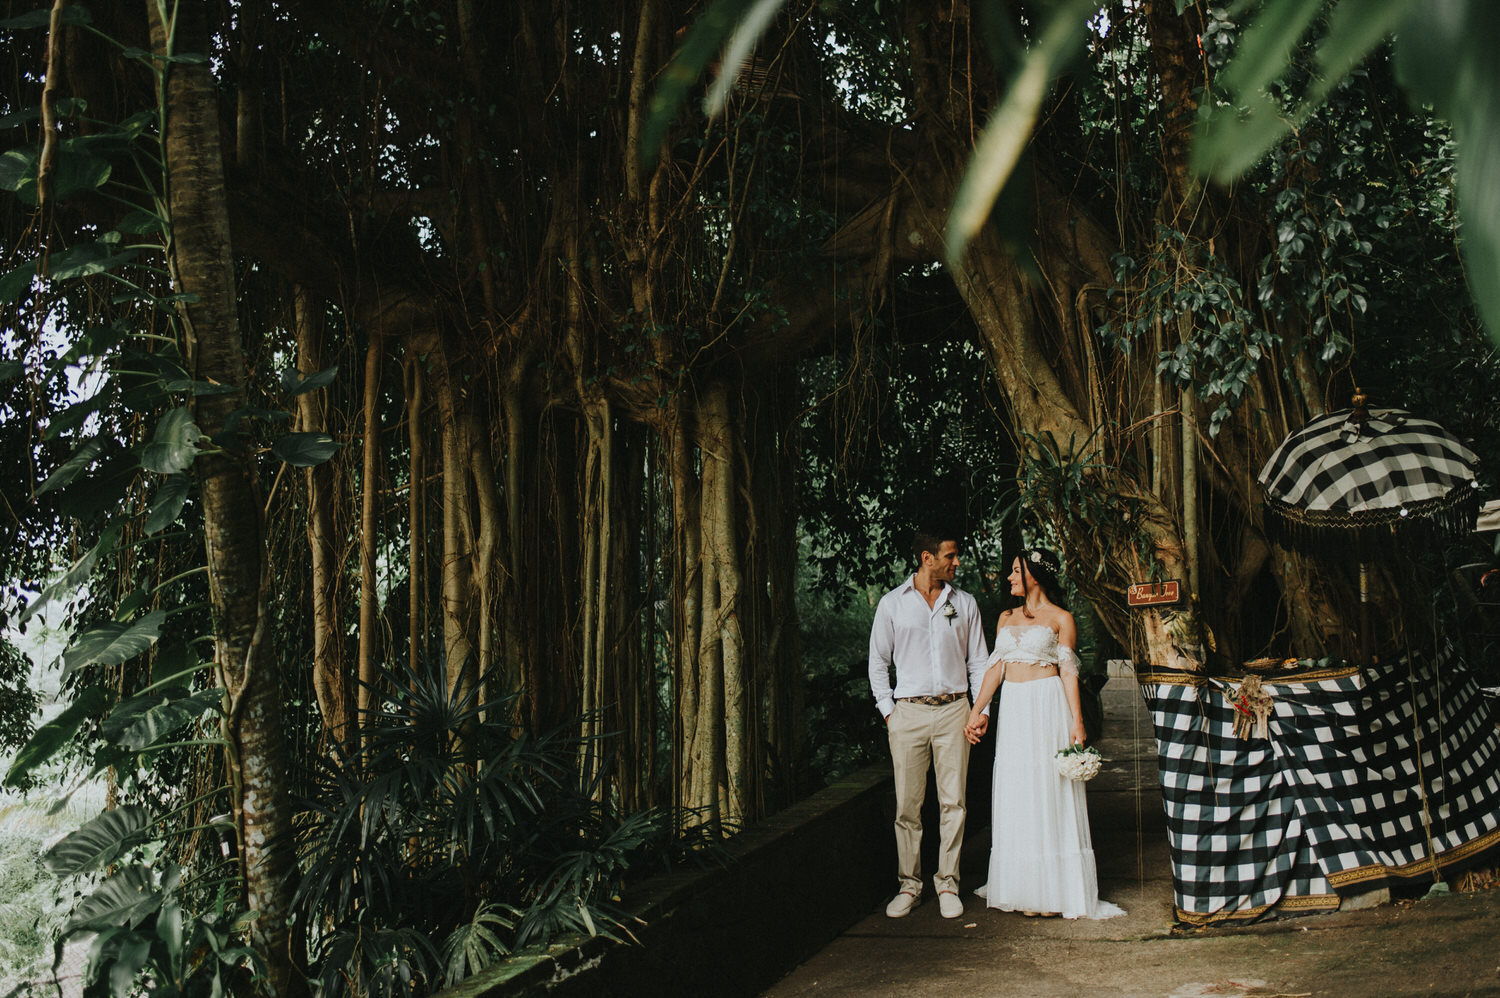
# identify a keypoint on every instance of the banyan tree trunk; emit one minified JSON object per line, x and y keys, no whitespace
{"x":458,"y":549}
{"x":329,"y":681}
{"x":369,"y":540}
{"x":416,"y":507}
{"x":202,"y":266}
{"x":775,"y":549}
{"x":519,"y":674}
{"x":687,"y":588}
{"x":487,"y":541}
{"x":727,"y":678}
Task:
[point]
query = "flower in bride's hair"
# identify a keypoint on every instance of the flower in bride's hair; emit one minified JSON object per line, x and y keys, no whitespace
{"x":1036,"y":557}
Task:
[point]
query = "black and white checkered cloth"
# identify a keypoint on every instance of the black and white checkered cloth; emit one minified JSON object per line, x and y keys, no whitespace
{"x":1331,"y":804}
{"x":1390,"y":462}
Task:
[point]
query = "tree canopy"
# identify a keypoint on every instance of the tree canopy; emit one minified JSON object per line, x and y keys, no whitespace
{"x":438,"y":411}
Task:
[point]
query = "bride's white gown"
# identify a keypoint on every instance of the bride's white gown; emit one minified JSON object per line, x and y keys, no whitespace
{"x":1041,"y":855}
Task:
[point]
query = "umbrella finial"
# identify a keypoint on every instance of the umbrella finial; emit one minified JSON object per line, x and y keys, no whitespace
{"x":1359,"y":400}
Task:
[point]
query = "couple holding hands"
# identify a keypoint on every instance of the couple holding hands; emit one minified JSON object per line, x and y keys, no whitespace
{"x":929,"y":633}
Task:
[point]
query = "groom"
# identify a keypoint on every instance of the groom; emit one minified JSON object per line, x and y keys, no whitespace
{"x":930,"y":633}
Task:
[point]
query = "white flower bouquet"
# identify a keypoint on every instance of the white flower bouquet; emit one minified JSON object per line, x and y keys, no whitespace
{"x":1079,"y":763}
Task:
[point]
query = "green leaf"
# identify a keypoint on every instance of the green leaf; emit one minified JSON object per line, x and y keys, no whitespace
{"x":21,"y":117}
{"x":99,"y":338}
{"x":294,"y":384}
{"x":136,"y":125}
{"x":1009,"y":129}
{"x":167,"y":504}
{"x":11,"y":369}
{"x":73,"y":170}
{"x":1478,"y":178}
{"x":113,"y":643}
{"x":74,"y":466}
{"x":132,"y":957}
{"x":58,"y":732}
{"x":42,"y":17}
{"x":17,"y":168}
{"x":752,"y":25}
{"x":173,"y":660}
{"x":1444,"y":56}
{"x":1429,"y":55}
{"x":1234,"y":139}
{"x":124,"y":899}
{"x":186,"y":58}
{"x":703,"y":41}
{"x":1265,"y":48}
{"x":198,"y":388}
{"x":304,"y":450}
{"x":144,"y":720}
{"x":79,"y":173}
{"x":99,"y":842}
{"x":1355,"y":28}
{"x":16,"y":283}
{"x":140,"y":222}
{"x":85,"y":261}
{"x":134,"y":600}
{"x":169,"y":928}
{"x":174,"y":445}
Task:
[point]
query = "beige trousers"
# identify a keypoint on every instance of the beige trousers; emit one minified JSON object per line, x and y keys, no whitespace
{"x":923,"y":736}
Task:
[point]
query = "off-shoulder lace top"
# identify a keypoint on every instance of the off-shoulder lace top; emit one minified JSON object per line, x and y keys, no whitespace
{"x":1034,"y":643}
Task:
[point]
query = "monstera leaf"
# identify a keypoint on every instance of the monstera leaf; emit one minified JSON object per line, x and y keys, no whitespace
{"x":145,"y":719}
{"x":52,"y":736}
{"x":113,"y":643}
{"x":304,"y":450}
{"x":167,"y":504}
{"x":99,"y":842}
{"x":124,"y":899}
{"x":174,"y":445}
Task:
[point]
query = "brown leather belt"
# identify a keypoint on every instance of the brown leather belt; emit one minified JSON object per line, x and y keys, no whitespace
{"x":936,"y":700}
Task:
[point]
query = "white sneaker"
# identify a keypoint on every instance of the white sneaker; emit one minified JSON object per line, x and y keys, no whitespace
{"x":949,"y":904}
{"x":901,"y":905}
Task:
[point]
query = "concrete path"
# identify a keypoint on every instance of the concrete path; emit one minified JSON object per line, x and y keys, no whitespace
{"x":1443,"y":946}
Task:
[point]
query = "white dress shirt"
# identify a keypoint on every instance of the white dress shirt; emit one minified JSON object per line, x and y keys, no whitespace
{"x":934,"y":649}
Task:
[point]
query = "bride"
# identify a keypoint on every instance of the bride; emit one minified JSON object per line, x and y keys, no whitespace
{"x":1041,"y":856}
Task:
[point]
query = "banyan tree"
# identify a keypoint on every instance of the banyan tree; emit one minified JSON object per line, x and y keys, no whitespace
{"x":554,"y":353}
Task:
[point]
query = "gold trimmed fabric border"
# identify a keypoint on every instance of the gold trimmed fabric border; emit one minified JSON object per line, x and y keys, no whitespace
{"x":1417,"y":868}
{"x":1314,"y":675}
{"x":1216,"y":917}
{"x":1309,"y":902}
{"x":1291,"y":679}
{"x":1171,"y":678}
{"x":1360,"y":874}
{"x":1299,"y":904}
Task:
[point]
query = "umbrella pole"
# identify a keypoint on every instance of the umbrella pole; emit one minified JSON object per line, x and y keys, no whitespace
{"x":1364,"y":614}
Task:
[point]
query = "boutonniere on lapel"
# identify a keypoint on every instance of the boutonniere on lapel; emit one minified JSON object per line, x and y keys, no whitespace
{"x":949,"y":611}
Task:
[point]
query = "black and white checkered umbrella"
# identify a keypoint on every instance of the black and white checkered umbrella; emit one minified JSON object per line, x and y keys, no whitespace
{"x":1365,"y":476}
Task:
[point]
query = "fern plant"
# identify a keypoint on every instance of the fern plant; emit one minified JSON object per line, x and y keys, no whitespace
{"x":449,"y":839}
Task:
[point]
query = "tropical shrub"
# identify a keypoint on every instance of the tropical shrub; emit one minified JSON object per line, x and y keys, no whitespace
{"x":450,"y":839}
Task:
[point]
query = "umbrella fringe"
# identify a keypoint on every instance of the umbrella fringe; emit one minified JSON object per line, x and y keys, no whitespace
{"x":1370,"y":534}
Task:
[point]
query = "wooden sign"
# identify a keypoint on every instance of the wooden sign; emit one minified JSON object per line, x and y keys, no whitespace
{"x":1152,"y":593}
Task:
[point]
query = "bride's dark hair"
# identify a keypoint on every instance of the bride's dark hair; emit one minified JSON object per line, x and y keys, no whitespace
{"x":1040,"y":566}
